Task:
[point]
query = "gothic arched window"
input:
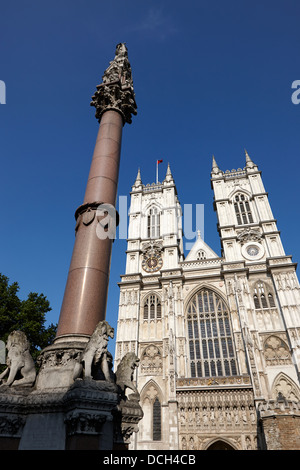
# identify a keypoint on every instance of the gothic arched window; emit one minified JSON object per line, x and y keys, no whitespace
{"x":262,"y":297}
{"x":153,"y":223}
{"x":152,"y":308}
{"x":156,"y":423}
{"x":211,"y":347}
{"x":242,"y":209}
{"x":150,"y":427}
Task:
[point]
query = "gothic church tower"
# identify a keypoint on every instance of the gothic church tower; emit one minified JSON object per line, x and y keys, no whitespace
{"x":217,"y":337}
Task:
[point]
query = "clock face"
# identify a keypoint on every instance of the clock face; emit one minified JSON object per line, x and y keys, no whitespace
{"x":151,"y":264}
{"x":252,"y":250}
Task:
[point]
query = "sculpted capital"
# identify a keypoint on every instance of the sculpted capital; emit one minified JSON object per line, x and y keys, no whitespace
{"x":116,"y":90}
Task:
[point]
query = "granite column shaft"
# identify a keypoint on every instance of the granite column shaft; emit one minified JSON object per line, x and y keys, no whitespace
{"x":85,"y":298}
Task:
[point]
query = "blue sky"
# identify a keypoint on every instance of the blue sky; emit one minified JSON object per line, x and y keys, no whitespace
{"x":210,"y":77}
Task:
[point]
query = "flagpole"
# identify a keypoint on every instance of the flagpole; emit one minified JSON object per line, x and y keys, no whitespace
{"x":157,"y":163}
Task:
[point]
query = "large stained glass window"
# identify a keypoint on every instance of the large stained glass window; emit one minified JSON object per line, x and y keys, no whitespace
{"x":211,"y":348}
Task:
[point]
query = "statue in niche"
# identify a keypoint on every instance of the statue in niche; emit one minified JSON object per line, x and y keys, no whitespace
{"x":205,"y":417}
{"x":248,"y":443}
{"x":236,"y":415}
{"x":252,"y":415}
{"x":182,"y":417}
{"x":228,"y":415}
{"x":197,"y":417}
{"x":244,"y":415}
{"x":212,"y":416}
{"x":95,"y":354}
{"x":20,"y":365}
{"x":190,"y":415}
{"x":220,"y":417}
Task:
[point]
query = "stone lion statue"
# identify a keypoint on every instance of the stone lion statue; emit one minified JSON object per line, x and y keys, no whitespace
{"x":125,"y":370}
{"x":19,"y":361}
{"x":95,"y":352}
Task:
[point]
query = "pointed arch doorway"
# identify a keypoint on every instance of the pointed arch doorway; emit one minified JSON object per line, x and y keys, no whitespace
{"x":220,"y":445}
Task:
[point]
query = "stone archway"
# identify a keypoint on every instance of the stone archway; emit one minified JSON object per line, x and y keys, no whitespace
{"x":220,"y":445}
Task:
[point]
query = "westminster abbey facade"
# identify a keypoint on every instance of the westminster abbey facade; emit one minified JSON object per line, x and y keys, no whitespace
{"x":217,"y":336}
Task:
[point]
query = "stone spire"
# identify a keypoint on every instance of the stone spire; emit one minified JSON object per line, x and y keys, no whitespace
{"x":215,"y":169}
{"x":138,"y":180}
{"x":116,"y":90}
{"x":169,"y":177}
{"x":138,"y":177}
{"x":249,"y":162}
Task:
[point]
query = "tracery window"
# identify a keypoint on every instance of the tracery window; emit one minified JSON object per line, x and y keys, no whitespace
{"x":211,"y":347}
{"x":152,"y":308}
{"x":153,"y":223}
{"x":262,"y":297}
{"x":242,"y":209}
{"x":276,"y":351}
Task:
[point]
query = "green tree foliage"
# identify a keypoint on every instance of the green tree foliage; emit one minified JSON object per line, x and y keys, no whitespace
{"x":27,"y":315}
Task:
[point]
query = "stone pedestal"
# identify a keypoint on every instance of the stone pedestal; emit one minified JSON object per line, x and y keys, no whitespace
{"x":57,"y":363}
{"x":126,"y":418}
{"x":75,"y":401}
{"x":79,"y":417}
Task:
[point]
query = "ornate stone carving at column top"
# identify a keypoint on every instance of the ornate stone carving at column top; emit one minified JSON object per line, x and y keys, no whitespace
{"x":116,"y":90}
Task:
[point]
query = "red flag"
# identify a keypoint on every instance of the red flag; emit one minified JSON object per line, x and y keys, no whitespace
{"x":159,"y":161}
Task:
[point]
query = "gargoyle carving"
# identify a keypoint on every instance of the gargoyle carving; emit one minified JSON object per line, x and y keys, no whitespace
{"x":95,"y":352}
{"x":20,"y":365}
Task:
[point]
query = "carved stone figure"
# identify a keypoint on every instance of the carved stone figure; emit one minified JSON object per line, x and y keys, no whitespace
{"x":116,"y":91}
{"x":125,"y":370}
{"x":249,"y":235}
{"x":19,"y":361}
{"x":95,"y":352}
{"x":182,"y":417}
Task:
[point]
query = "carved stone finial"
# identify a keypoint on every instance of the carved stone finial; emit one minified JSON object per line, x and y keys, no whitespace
{"x":169,"y":177}
{"x":249,"y":162}
{"x":215,"y":169}
{"x":116,"y":90}
{"x":138,"y":180}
